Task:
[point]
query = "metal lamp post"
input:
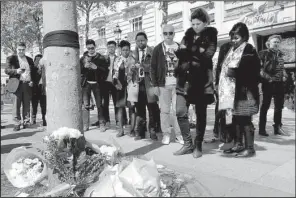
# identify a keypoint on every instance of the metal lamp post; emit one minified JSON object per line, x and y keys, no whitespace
{"x":117,"y":33}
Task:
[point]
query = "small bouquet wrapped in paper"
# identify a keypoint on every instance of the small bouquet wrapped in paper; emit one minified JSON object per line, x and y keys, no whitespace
{"x":24,"y":167}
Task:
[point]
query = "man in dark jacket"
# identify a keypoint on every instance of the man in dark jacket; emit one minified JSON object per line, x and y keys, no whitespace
{"x":20,"y":69}
{"x":39,"y":94}
{"x":163,"y":63}
{"x":146,"y":97}
{"x":94,"y":70}
{"x":273,"y":75}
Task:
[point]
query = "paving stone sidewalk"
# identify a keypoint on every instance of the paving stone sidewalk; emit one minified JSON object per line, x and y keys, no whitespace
{"x":270,"y":173}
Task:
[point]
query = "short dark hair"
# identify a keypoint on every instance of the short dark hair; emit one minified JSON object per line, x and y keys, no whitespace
{"x":22,"y":44}
{"x":111,"y":43}
{"x":141,"y":34}
{"x":38,"y":55}
{"x":124,"y":43}
{"x":201,"y":14}
{"x":240,"y":29}
{"x":89,"y":42}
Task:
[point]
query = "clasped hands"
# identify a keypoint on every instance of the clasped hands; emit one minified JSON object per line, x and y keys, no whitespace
{"x":90,"y":65}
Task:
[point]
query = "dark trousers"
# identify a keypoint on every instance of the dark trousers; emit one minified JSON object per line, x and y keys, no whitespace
{"x":22,"y":96}
{"x":38,"y":97}
{"x":273,"y":90}
{"x":107,"y":89}
{"x":86,"y":94}
{"x":216,"y":124}
{"x":141,"y":119}
{"x":182,"y":115}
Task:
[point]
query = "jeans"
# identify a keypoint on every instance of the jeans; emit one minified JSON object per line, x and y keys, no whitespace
{"x":272,"y":90}
{"x":167,"y":103}
{"x":38,"y":97}
{"x":201,"y":118}
{"x":108,"y":88}
{"x":22,"y":96}
{"x":86,"y":93}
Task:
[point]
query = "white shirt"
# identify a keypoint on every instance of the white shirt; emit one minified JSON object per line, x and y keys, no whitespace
{"x":172,"y":60}
{"x":112,"y":58}
{"x":26,"y":76}
{"x":141,"y":53}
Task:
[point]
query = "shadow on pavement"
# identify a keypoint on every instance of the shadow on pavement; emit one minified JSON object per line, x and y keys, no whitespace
{"x":8,"y":126}
{"x":17,"y":135}
{"x":9,"y":147}
{"x":275,"y":140}
{"x":145,"y":149}
{"x":210,"y":148}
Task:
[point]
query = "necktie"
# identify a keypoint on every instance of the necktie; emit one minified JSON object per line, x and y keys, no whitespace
{"x":143,"y":56}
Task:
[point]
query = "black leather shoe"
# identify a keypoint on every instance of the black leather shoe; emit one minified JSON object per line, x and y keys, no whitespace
{"x":153,"y":136}
{"x":197,"y":151}
{"x":96,"y":124}
{"x":120,"y":134}
{"x":278,"y":130}
{"x":263,"y":133}
{"x":17,"y":128}
{"x":185,"y":149}
{"x":246,"y":153}
{"x":132,"y":134}
{"x":138,"y":137}
{"x":44,"y":123}
{"x":235,"y":149}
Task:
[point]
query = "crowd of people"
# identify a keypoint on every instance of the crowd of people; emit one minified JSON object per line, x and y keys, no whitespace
{"x":168,"y":79}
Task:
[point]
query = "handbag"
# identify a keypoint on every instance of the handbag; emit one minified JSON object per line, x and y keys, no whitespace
{"x":133,"y":92}
{"x":12,"y":85}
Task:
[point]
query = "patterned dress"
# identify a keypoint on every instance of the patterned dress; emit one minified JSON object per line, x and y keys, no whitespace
{"x":227,"y":84}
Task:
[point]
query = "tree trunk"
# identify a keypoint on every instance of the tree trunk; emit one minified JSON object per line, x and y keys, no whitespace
{"x":64,"y":95}
{"x":87,"y":25}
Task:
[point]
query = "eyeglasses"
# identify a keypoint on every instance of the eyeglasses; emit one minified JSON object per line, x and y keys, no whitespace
{"x":168,"y":33}
{"x":90,"y":48}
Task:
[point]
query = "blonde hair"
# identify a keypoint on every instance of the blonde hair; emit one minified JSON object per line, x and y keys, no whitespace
{"x":272,"y":37}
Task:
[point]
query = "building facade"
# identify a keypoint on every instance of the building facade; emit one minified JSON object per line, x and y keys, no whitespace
{"x":263,"y":18}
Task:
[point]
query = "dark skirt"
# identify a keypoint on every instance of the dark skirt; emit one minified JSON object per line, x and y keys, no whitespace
{"x":121,"y":97}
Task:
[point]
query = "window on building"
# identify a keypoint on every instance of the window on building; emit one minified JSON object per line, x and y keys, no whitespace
{"x":102,"y":33}
{"x":136,"y":24}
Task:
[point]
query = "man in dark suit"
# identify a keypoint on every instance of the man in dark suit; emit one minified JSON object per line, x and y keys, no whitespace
{"x":39,"y":94}
{"x":108,"y":88}
{"x":20,"y":69}
{"x":146,"y":96}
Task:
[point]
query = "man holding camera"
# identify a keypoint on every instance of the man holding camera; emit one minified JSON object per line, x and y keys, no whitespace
{"x":146,"y":97}
{"x":20,"y":69}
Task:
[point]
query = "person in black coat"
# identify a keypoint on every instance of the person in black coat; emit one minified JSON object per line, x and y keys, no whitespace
{"x":39,"y":94}
{"x":21,"y":71}
{"x":273,"y":84}
{"x":237,"y":79}
{"x":195,"y":79}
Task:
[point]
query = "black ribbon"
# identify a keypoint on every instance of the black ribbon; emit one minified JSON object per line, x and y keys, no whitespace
{"x":61,"y":38}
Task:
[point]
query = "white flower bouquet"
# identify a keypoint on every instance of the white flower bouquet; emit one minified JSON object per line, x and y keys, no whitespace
{"x":24,"y":167}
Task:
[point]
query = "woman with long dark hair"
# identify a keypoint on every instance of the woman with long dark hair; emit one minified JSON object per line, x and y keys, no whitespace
{"x":237,"y":77}
{"x":195,"y":79}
